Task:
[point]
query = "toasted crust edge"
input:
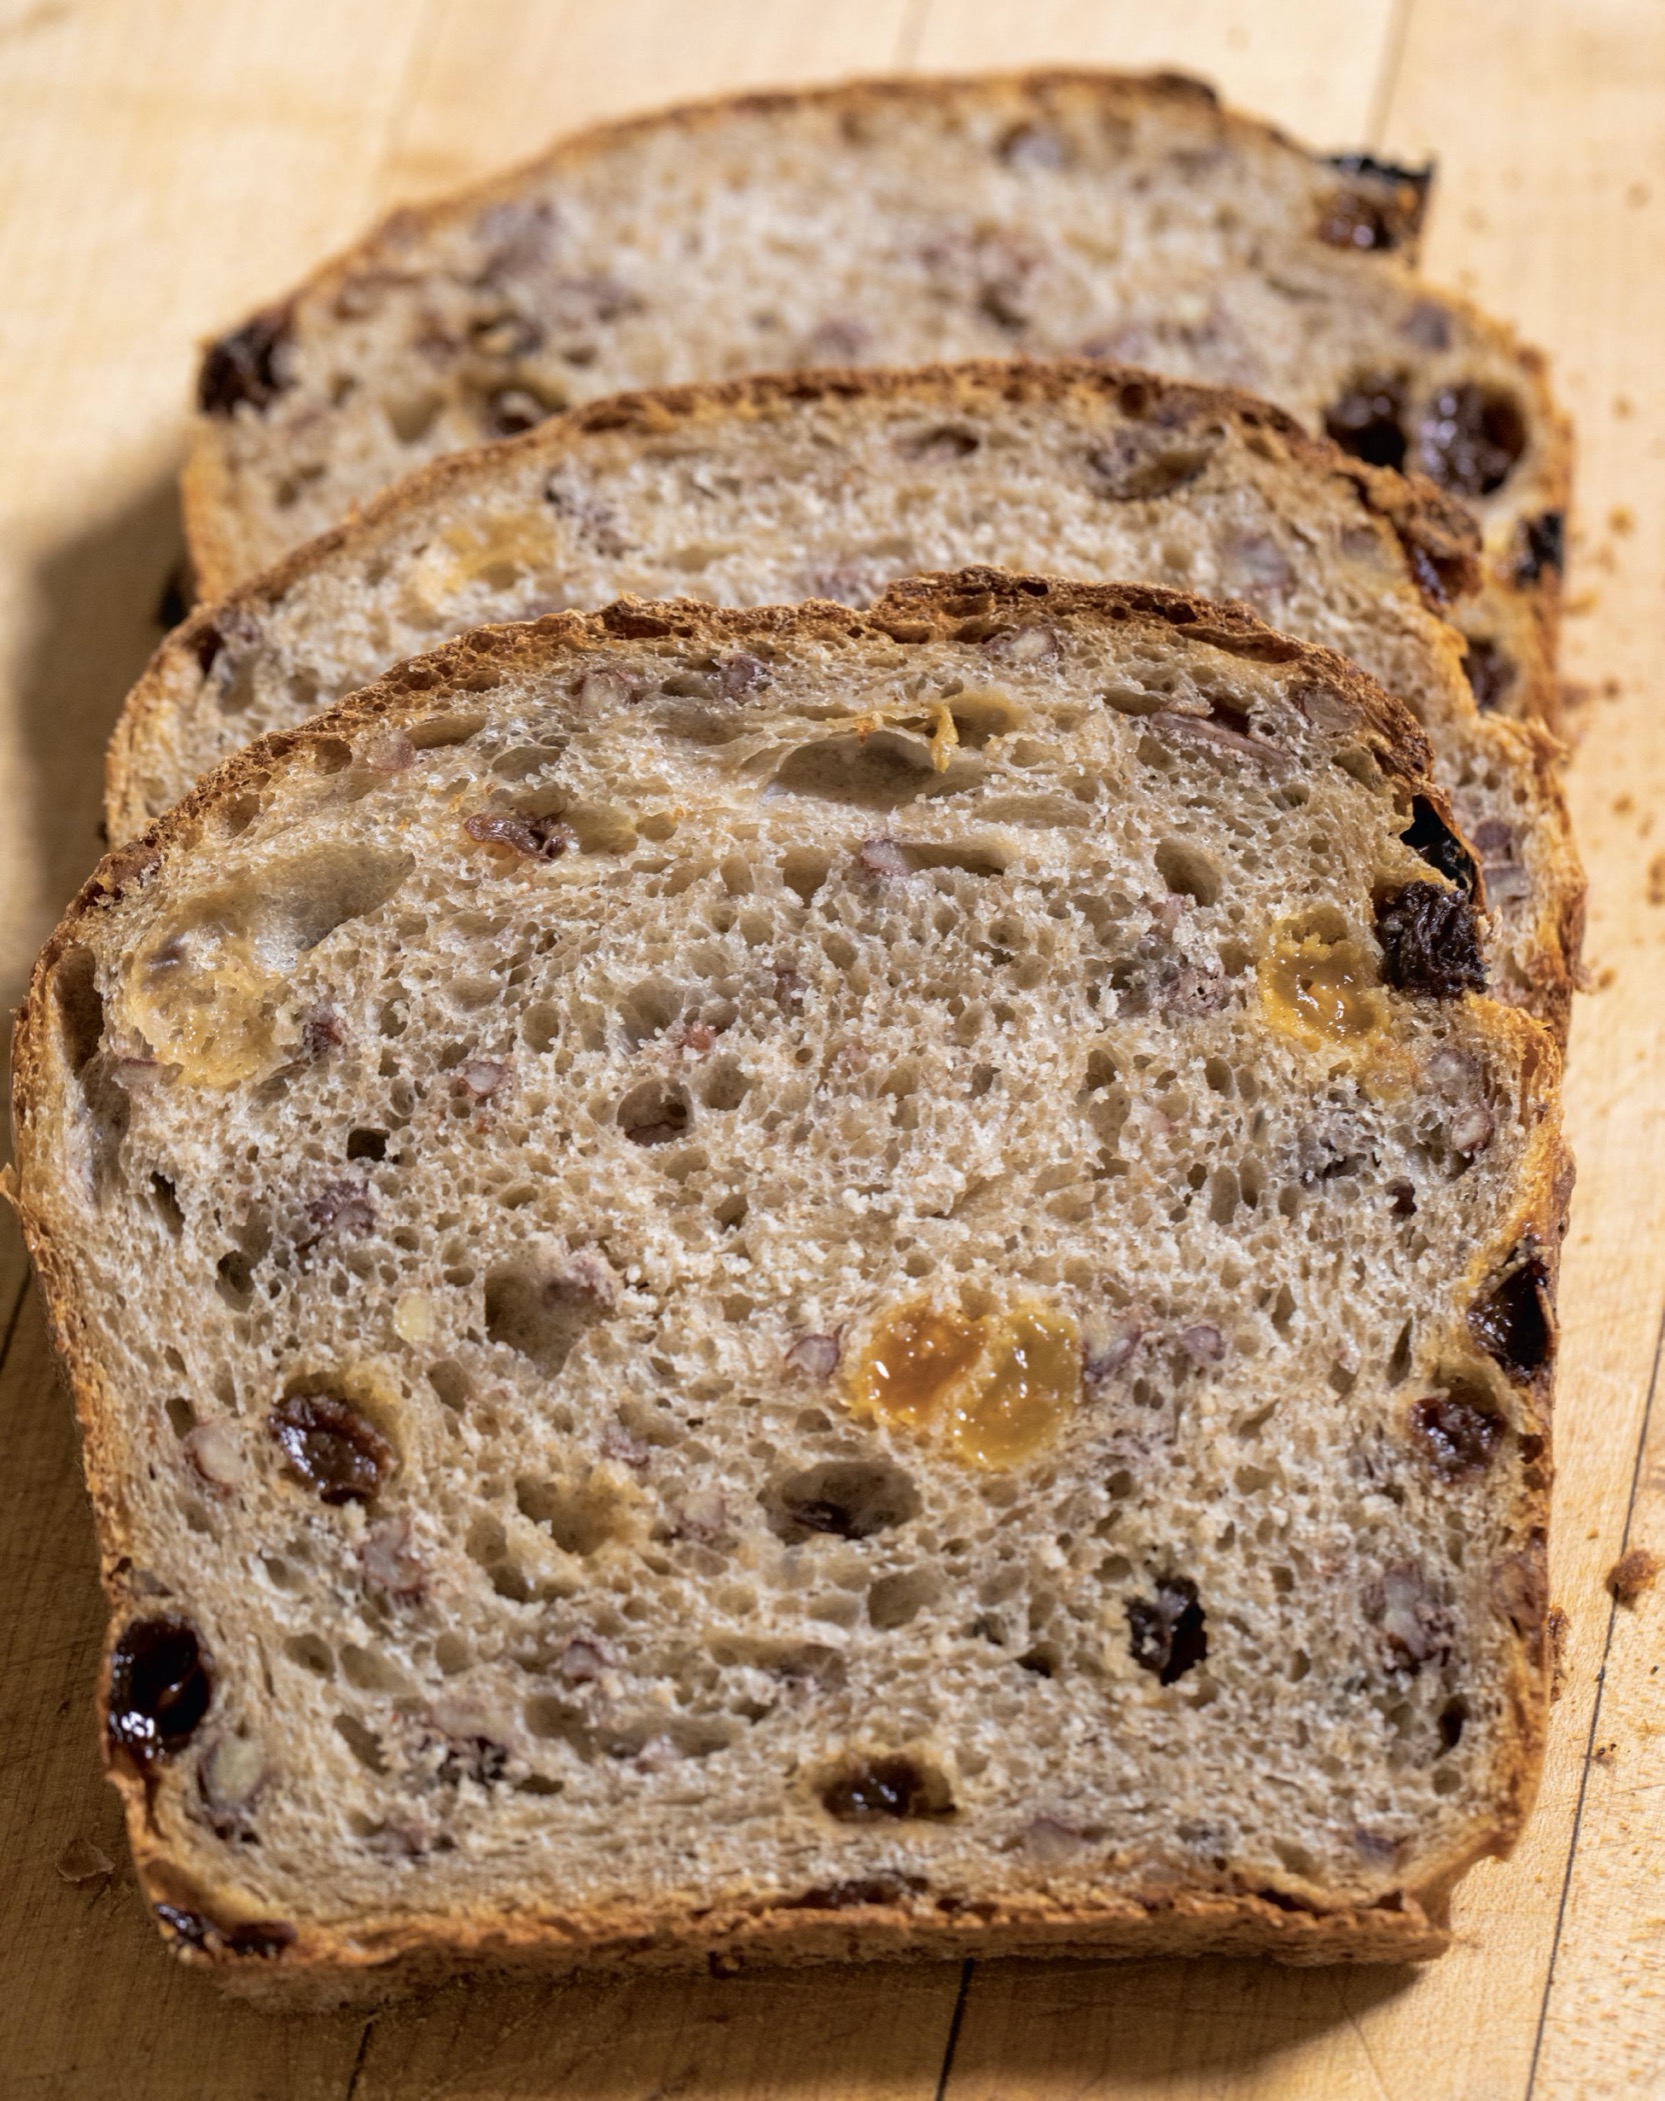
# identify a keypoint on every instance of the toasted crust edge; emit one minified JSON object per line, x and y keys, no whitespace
{"x":1411,"y":1926}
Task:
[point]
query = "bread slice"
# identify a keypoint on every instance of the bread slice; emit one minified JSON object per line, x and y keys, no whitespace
{"x":890,"y":222}
{"x":765,"y":490}
{"x":795,"y":1283}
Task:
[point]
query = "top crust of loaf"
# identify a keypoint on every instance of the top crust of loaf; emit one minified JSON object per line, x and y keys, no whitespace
{"x":229,"y":539}
{"x":968,"y":606}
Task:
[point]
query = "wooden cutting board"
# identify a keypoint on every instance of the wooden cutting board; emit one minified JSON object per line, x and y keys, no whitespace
{"x":164,"y":167}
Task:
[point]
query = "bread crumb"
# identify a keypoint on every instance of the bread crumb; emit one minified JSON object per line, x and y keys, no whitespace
{"x":1604,"y":1754}
{"x":1623,"y":406}
{"x":82,"y":1861}
{"x":1621,"y":519}
{"x":1656,"y":880}
{"x":1559,"y":1627}
{"x":1633,"y":1573}
{"x":1623,"y":805}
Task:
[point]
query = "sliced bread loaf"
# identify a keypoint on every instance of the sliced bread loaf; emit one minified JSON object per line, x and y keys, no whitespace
{"x":827,"y":485}
{"x":803,"y":1283}
{"x":886,"y":223}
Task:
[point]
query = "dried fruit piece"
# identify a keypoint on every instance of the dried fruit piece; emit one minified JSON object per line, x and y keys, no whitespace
{"x":912,"y":1361}
{"x":1541,"y":546}
{"x":1029,"y":1383}
{"x":879,"y":1788}
{"x":1490,"y":671}
{"x":160,"y":1689}
{"x":248,"y":366}
{"x":1319,"y":990}
{"x":331,"y":1447}
{"x":1369,"y":420}
{"x":1430,"y":945}
{"x":1455,"y":1434}
{"x":538,"y":838}
{"x":1515,"y":1322}
{"x":1167,"y":1634}
{"x":1470,"y":439}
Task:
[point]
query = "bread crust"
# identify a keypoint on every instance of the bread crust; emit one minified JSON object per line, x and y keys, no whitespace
{"x":1409,"y":1925}
{"x":208,"y":491}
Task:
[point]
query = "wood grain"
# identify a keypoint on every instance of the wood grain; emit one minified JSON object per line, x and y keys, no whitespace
{"x":1556,"y":212}
{"x":183,"y":162}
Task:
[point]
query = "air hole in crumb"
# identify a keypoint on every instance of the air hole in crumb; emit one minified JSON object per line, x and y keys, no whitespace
{"x":365,"y":1744}
{"x":655,"y":1112}
{"x":805,"y":869}
{"x":312,"y":1653}
{"x":181,"y":1415}
{"x":847,"y":1498}
{"x":167,"y":1204}
{"x":450,"y":1382}
{"x":1188,"y":872}
{"x":895,"y":1600}
{"x":581,"y":1518}
{"x":367,"y":1145}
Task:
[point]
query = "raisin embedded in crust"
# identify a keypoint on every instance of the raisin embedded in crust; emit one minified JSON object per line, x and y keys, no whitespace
{"x":1514,"y":1323}
{"x":1470,"y":439}
{"x":248,"y":366}
{"x":1369,"y":420}
{"x":1429,"y":942}
{"x":160,"y":1689}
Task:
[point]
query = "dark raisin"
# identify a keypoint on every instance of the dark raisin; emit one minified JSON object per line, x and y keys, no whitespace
{"x":1368,"y":420}
{"x":262,"y":1937}
{"x":160,"y":1689}
{"x":885,"y":1787}
{"x":1490,"y":671}
{"x":849,"y":1499}
{"x":1515,"y":1322}
{"x":1471,"y":438}
{"x":331,"y":1447}
{"x":1432,"y":838}
{"x":539,"y":838}
{"x":248,"y":365}
{"x":1430,"y":945}
{"x":1166,"y":1633}
{"x":1540,"y":544}
{"x":1380,"y":218}
{"x":189,"y":1928}
{"x":1456,"y":1436}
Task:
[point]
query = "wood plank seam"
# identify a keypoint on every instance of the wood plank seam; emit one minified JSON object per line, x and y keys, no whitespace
{"x":911,"y":35}
{"x":1595,"y":1719}
{"x":952,"y":2042}
{"x":1392,"y":62}
{"x":15,"y":1315}
{"x":357,"y":2072}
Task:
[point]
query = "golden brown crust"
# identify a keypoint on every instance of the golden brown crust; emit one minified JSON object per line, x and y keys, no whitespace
{"x":1171,"y":1920}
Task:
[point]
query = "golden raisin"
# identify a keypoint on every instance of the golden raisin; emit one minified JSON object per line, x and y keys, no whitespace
{"x":998,"y":1389}
{"x":912,"y":1361}
{"x":1028,"y":1382}
{"x":1319,"y":990}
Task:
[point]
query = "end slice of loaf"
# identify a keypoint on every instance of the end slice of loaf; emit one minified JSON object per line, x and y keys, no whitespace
{"x":795,"y":1283}
{"x":888,"y":222}
{"x":827,"y":485}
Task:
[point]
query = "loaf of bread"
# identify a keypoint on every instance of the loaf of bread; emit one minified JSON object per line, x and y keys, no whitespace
{"x":794,"y":1283}
{"x":827,"y":485}
{"x":889,"y":223}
